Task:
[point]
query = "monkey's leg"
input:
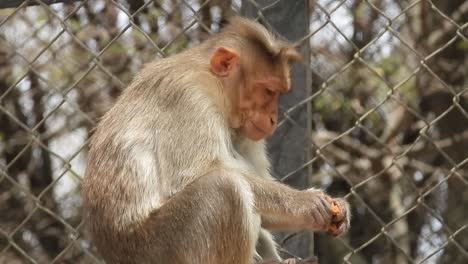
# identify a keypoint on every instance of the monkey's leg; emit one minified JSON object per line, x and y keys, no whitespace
{"x":211,"y":221}
{"x":266,"y":246}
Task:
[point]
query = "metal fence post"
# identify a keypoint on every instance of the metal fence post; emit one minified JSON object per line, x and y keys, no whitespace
{"x":289,"y":148}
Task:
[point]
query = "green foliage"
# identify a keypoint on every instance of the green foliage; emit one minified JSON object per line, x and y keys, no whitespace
{"x":177,"y":46}
{"x":154,"y":13}
{"x":462,"y":44}
{"x":116,"y":48}
{"x":75,"y":25}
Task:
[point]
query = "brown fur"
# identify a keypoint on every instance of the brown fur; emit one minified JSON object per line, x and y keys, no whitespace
{"x":169,"y":181}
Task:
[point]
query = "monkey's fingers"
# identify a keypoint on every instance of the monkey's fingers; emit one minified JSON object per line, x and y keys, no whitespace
{"x":333,"y":229}
{"x":341,"y":217}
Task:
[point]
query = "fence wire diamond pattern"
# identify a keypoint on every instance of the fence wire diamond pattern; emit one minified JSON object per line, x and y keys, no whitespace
{"x":383,"y":114}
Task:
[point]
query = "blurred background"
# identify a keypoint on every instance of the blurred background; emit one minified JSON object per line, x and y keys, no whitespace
{"x":378,"y":114}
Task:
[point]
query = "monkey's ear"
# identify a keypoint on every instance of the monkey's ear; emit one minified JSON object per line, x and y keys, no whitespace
{"x":222,"y":61}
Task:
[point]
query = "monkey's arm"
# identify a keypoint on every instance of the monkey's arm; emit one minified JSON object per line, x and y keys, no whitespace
{"x":283,"y":207}
{"x":279,"y":224}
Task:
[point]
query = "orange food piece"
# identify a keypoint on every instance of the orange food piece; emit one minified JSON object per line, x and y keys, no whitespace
{"x":335,"y":212}
{"x":335,"y":209}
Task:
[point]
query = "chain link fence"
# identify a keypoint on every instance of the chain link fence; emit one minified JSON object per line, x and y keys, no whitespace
{"x":378,"y":114}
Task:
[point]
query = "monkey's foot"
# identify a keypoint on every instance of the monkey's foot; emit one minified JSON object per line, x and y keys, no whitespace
{"x":309,"y":260}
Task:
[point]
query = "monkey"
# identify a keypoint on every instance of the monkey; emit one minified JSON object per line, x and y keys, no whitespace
{"x":177,"y":169}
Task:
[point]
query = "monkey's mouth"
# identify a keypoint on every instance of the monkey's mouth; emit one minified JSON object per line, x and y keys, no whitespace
{"x":259,"y":129}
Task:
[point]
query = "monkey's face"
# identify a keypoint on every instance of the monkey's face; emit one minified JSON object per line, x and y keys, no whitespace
{"x":253,"y":89}
{"x":258,"y":107}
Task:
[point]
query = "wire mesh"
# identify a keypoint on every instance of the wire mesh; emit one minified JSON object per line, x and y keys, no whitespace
{"x":388,"y":104}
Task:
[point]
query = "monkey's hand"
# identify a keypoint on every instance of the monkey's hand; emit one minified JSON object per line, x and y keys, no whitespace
{"x":341,"y":217}
{"x":330,"y":214}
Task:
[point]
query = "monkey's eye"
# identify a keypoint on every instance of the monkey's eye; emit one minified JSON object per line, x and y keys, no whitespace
{"x":269,"y":92}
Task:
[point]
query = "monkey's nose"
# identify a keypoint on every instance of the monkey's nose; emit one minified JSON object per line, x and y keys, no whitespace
{"x":273,"y":121}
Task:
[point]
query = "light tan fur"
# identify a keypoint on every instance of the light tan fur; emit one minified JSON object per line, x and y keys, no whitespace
{"x":169,"y":181}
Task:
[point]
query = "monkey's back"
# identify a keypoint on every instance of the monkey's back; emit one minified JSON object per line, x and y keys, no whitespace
{"x":141,"y":153}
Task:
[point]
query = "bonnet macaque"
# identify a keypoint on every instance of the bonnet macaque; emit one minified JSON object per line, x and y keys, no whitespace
{"x":177,"y":170}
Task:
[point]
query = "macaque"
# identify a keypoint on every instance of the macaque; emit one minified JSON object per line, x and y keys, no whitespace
{"x":177,"y":170}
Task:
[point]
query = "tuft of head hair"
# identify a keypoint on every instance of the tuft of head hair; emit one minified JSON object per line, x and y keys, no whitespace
{"x":257,"y":35}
